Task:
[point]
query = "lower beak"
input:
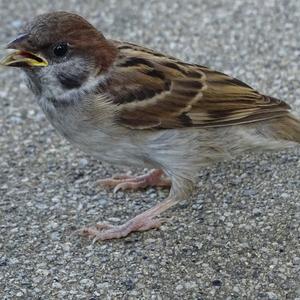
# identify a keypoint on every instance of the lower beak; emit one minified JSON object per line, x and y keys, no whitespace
{"x":22,"y":58}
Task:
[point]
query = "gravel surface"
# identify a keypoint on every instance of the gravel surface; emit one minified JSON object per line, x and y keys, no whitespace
{"x":238,"y":237}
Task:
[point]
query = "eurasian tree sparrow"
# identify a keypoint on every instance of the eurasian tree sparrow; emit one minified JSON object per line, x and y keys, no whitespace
{"x":129,"y":105}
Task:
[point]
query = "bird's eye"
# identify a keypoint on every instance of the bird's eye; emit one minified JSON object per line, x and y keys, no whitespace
{"x":60,"y":49}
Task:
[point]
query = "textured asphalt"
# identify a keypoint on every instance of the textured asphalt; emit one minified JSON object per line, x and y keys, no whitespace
{"x":237,"y":238}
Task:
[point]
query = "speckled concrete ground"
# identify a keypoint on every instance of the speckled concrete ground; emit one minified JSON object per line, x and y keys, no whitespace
{"x":238,"y":237}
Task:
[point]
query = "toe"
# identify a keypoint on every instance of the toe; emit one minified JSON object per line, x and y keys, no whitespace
{"x":106,"y":231}
{"x":103,"y":226}
{"x":130,"y":186}
{"x":152,"y":224}
{"x":88,"y":231}
{"x":107,"y":183}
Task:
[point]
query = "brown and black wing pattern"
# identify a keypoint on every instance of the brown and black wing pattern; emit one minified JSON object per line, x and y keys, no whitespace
{"x":157,"y":91}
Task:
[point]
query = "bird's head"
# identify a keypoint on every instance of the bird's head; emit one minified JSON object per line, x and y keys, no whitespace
{"x":60,"y":51}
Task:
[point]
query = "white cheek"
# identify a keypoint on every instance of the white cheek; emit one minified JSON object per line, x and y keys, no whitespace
{"x":51,"y":88}
{"x":50,"y":85}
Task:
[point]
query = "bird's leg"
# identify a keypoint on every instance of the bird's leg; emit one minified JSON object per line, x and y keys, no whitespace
{"x":154,"y":177}
{"x":180,"y":189}
{"x":142,"y":222}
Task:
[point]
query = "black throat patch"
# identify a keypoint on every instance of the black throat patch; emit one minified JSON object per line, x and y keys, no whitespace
{"x":72,"y":81}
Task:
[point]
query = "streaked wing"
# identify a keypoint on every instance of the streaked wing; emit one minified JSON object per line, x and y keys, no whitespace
{"x":156,"y":91}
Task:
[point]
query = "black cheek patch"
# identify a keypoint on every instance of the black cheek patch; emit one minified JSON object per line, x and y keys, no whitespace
{"x":72,"y":81}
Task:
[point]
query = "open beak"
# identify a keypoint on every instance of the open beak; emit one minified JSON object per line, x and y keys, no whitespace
{"x":22,"y":58}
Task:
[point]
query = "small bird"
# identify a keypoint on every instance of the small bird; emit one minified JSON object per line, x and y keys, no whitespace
{"x":129,"y":105}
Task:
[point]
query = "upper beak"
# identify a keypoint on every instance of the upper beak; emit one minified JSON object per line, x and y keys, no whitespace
{"x":22,"y":58}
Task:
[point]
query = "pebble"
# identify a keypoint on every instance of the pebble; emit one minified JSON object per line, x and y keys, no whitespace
{"x":285,"y":195}
{"x":16,"y":24}
{"x":271,"y":296}
{"x":87,"y":282}
{"x":179,"y":287}
{"x":83,"y":163}
{"x":56,"y":285}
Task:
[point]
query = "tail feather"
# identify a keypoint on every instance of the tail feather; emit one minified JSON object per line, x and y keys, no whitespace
{"x":286,"y":128}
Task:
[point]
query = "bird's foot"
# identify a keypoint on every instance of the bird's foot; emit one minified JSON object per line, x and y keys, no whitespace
{"x":142,"y":222}
{"x":154,"y":177}
{"x":106,"y":231}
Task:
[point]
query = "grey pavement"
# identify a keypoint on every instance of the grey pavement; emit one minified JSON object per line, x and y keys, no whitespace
{"x":238,"y":236}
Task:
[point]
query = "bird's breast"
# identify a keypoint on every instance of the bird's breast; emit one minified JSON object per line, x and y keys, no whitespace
{"x":101,"y":139}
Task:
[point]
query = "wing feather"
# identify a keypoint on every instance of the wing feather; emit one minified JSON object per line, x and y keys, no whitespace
{"x":152,"y":90}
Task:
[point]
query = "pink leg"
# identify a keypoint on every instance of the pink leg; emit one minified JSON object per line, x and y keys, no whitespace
{"x":124,"y":182}
{"x":141,"y":222}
